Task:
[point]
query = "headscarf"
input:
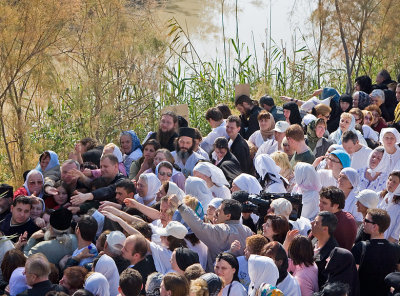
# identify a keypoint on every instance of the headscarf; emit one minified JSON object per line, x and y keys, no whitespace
{"x":97,"y":284}
{"x":364,"y":100}
{"x":153,"y":284}
{"x":294,"y":112}
{"x":135,"y":140}
{"x":247,"y":183}
{"x":337,"y":135}
{"x":382,"y":165}
{"x":265,"y":165}
{"x":197,"y":187}
{"x":392,"y":130}
{"x":107,"y":267}
{"x":153,"y":184}
{"x":17,"y":283}
{"x":353,"y":177}
{"x":312,"y":138}
{"x":269,"y":132}
{"x":306,"y":177}
{"x":185,"y":257}
{"x":342,"y":268}
{"x":39,"y":194}
{"x":174,"y":189}
{"x":347,"y":99}
{"x":52,"y":163}
{"x":215,"y":173}
{"x":214,"y":283}
{"x":261,"y":270}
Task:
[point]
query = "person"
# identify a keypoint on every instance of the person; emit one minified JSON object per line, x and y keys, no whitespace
{"x":97,"y":284}
{"x":12,"y":261}
{"x":37,"y":270}
{"x":396,"y":119}
{"x":266,"y":131}
{"x":18,"y":222}
{"x":207,"y":284}
{"x":348,"y":182}
{"x":322,"y":229}
{"x":315,"y":137}
{"x":185,"y":157}
{"x":375,"y":174}
{"x":219,"y":236}
{"x":366,"y":199}
{"x":268,"y":171}
{"x":33,"y":185}
{"x":347,"y":123}
{"x":291,"y":113}
{"x":182,"y":258}
{"x":332,"y":199}
{"x":197,"y":140}
{"x":166,"y":133}
{"x":378,"y":123}
{"x":248,"y":116}
{"x":6,"y":197}
{"x":49,"y":165}
{"x":214,"y":177}
{"x":130,"y":147}
{"x":268,"y":104}
{"x":59,"y":199}
{"x":389,"y":137}
{"x":275,"y":228}
{"x":361,"y":100}
{"x":377,"y":257}
{"x":238,"y":145}
{"x":378,"y":99}
{"x":279,"y":134}
{"x":71,"y":180}
{"x":363,"y":83}
{"x":390,"y":201}
{"x":145,"y":162}
{"x":358,"y":152}
{"x":309,"y":185}
{"x":154,"y":283}
{"x":106,"y":266}
{"x":87,"y":150}
{"x":342,"y":268}
{"x":130,"y":283}
{"x":216,"y":120}
{"x":247,"y":183}
{"x":370,"y":136}
{"x":146,"y":188}
{"x":295,"y":138}
{"x":113,"y":243}
{"x":225,"y":160}
{"x":282,"y":160}
{"x":336,"y":161}
{"x":322,"y":111}
{"x":262,"y":270}
{"x":198,"y":187}
{"x":73,"y":278}
{"x":227,"y":267}
{"x":174,"y":285}
{"x":345,"y":102}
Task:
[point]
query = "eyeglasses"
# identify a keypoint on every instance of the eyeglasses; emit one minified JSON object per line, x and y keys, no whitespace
{"x":367,"y":118}
{"x":368,"y":221}
{"x":164,"y":173}
{"x":285,"y":145}
{"x":333,"y":159}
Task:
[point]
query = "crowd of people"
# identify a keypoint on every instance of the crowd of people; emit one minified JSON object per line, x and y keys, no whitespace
{"x":178,"y":213}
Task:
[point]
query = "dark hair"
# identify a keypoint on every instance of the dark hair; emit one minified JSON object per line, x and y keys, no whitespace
{"x":89,"y":165}
{"x":144,"y":228}
{"x":236,"y":119}
{"x":267,"y":100}
{"x":226,"y":112}
{"x":165,"y":164}
{"x":44,"y":155}
{"x":99,"y":183}
{"x":349,"y":136}
{"x":232,"y":207}
{"x":334,"y":194}
{"x":82,"y":292}
{"x":214,"y":114}
{"x":76,"y":276}
{"x":127,"y":184}
{"x":365,"y":83}
{"x":232,"y":261}
{"x":194,"y":240}
{"x":243,"y":99}
{"x":221,"y":143}
{"x":152,"y":142}
{"x":280,"y":225}
{"x":276,"y":251}
{"x":385,"y":74}
{"x":334,"y":289}
{"x":89,"y":143}
{"x":87,"y":227}
{"x":12,"y":259}
{"x":111,"y":157}
{"x":140,"y":246}
{"x":396,"y":198}
{"x":301,"y":251}
{"x":381,"y":218}
{"x":130,"y":282}
{"x":175,"y":243}
{"x":22,"y":199}
{"x":172,"y":114}
{"x":329,"y":220}
{"x":54,"y":276}
{"x":56,"y":293}
{"x":197,"y":134}
{"x":294,"y":112}
{"x":177,"y":284}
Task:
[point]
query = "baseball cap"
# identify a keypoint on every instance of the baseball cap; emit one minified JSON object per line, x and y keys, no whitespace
{"x":368,"y":198}
{"x":115,"y":239}
{"x":175,"y":229}
{"x":281,"y":126}
{"x":343,"y":157}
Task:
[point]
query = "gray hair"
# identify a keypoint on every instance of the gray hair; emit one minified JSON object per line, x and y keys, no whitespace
{"x":378,"y":93}
{"x":71,"y":161}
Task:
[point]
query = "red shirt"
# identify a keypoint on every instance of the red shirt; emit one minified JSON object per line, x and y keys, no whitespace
{"x":346,"y":230}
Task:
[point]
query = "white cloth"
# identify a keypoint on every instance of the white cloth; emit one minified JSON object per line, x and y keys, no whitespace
{"x":197,"y":187}
{"x":187,"y":168}
{"x":289,"y":286}
{"x":326,"y":177}
{"x":221,"y":191}
{"x":261,"y":270}
{"x":337,"y":135}
{"x":247,"y":183}
{"x":376,"y":185}
{"x":174,"y":189}
{"x":38,"y":194}
{"x":302,"y":224}
{"x":243,"y":273}
{"x":237,"y":289}
{"x":201,"y":249}
{"x":268,"y":147}
{"x":107,"y":267}
{"x":162,"y":257}
{"x":353,"y":177}
{"x":382,"y":166}
{"x":369,"y":133}
{"x":358,"y":158}
{"x":275,"y":188}
{"x":392,"y":130}
{"x":351,"y":207}
{"x":257,"y":139}
{"x":393,"y":159}
{"x":264,"y":165}
{"x":153,"y":184}
{"x":215,"y":173}
{"x":97,"y":284}
{"x":208,"y":142}
{"x":203,"y":153}
{"x":393,"y":210}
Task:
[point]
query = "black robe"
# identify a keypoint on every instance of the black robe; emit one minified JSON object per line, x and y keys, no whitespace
{"x":241,"y":151}
{"x":230,"y":166}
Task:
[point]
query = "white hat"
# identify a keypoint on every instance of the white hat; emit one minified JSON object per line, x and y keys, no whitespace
{"x":175,"y":229}
{"x":282,"y":207}
{"x":308,"y":118}
{"x":215,"y":202}
{"x":368,"y":198}
{"x":115,"y":239}
{"x":281,"y":126}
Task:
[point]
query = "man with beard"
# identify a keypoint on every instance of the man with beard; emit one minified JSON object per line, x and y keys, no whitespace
{"x":166,"y":134}
{"x":184,"y":155}
{"x":110,"y":173}
{"x":249,"y":113}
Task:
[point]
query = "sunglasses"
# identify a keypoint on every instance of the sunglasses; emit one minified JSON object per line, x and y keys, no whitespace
{"x":368,"y":221}
{"x":367,"y":118}
{"x":164,"y":173}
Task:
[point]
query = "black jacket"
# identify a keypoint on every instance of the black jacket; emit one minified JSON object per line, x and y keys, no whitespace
{"x":320,"y":259}
{"x":250,"y":125}
{"x":40,"y":289}
{"x":241,"y":151}
{"x":230,"y":166}
{"x":108,"y":192}
{"x":170,"y":146}
{"x":145,"y":268}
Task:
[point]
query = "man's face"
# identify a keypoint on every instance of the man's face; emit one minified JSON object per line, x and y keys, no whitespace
{"x":4,"y":205}
{"x":398,"y":93}
{"x":20,"y":213}
{"x":121,"y":194}
{"x":30,"y":277}
{"x":316,"y":226}
{"x":267,"y":107}
{"x":379,"y":79}
{"x":326,"y":205}
{"x":232,"y":129}
{"x":185,"y":143}
{"x":35,"y":184}
{"x":127,"y":248}
{"x":219,"y":215}
{"x":349,"y":146}
{"x":220,"y":152}
{"x":279,"y":136}
{"x":65,"y":169}
{"x":166,"y":123}
{"x":241,"y":108}
{"x":368,"y":226}
{"x":108,"y":169}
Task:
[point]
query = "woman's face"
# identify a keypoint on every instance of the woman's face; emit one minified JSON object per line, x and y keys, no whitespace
{"x":149,"y":152}
{"x":224,"y":270}
{"x":61,"y":197}
{"x":376,"y":117}
{"x":368,"y":120}
{"x":344,"y":123}
{"x":344,"y":182}
{"x":376,"y":101}
{"x":361,"y":208}
{"x":344,"y":106}
{"x":210,"y":213}
{"x":264,"y":124}
{"x":375,"y":159}
{"x":164,"y":174}
{"x":268,"y":232}
{"x":286,"y":113}
{"x":234,"y":188}
{"x":141,"y":187}
{"x":125,"y":143}
{"x":159,"y":157}
{"x":357,"y":118}
{"x":389,"y":140}
{"x":355,"y":100}
{"x":35,"y":184}
{"x":36,"y":210}
{"x":333,"y":163}
{"x":320,"y":130}
{"x":160,"y":193}
{"x":392,"y":183}
{"x":44,"y":162}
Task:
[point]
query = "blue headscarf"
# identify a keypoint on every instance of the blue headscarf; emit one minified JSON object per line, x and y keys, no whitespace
{"x":53,"y":162}
{"x":330,"y":92}
{"x":135,"y":140}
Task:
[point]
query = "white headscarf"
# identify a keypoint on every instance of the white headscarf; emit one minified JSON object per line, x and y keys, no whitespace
{"x":174,"y":189}
{"x":197,"y":187}
{"x":392,"y":130}
{"x":210,"y":170}
{"x":306,"y":177}
{"x":382,"y":165}
{"x":247,"y":183}
{"x":264,"y":165}
{"x":337,"y":135}
{"x":38,"y":194}
{"x":153,"y":184}
{"x":353,"y":177}
{"x":97,"y":284}
{"x":261,"y":270}
{"x":107,"y":267}
{"x":117,"y":153}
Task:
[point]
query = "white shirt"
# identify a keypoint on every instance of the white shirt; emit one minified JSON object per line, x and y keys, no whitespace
{"x":237,"y":289}
{"x":202,"y":250}
{"x":326,"y":178}
{"x":350,"y":206}
{"x":303,"y":225}
{"x":187,"y":168}
{"x":243,"y":273}
{"x":394,"y":213}
{"x":162,"y":257}
{"x":257,"y":139}
{"x":289,"y":286}
{"x":208,"y":142}
{"x":360,"y":158}
{"x":268,"y":147}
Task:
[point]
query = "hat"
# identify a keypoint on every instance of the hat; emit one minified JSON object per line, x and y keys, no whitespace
{"x":185,"y":257}
{"x":214,"y":283}
{"x":281,"y":126}
{"x":343,"y":157}
{"x":6,"y":191}
{"x":215,"y":202}
{"x":115,"y":239}
{"x":308,"y":118}
{"x":368,"y":198}
{"x":267,"y":100}
{"x":187,"y":132}
{"x":346,"y":98}
{"x":60,"y":219}
{"x":175,"y":229}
